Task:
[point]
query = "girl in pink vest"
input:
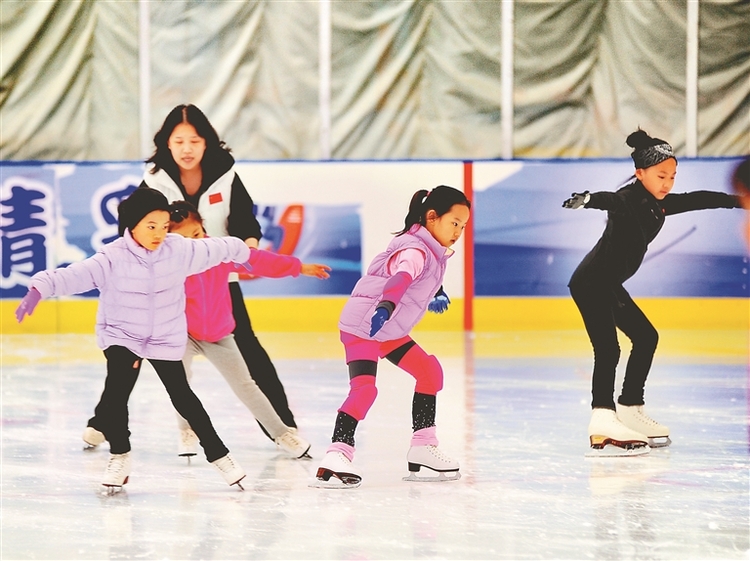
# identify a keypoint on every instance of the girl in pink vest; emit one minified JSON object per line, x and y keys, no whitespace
{"x":400,"y":285}
{"x":210,"y":325}
{"x":141,"y":315}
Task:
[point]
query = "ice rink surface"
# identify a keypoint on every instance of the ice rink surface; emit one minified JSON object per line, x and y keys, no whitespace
{"x":514,"y":412}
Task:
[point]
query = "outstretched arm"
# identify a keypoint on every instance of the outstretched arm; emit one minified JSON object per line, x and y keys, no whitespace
{"x":264,"y":263}
{"x":602,"y":200}
{"x":698,"y":200}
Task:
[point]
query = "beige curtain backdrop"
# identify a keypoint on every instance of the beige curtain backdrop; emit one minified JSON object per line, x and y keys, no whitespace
{"x":409,"y":78}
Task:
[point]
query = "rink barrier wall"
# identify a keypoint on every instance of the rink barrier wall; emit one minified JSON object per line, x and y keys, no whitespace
{"x":491,"y":314}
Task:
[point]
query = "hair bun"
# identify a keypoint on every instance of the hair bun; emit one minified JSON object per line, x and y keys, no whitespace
{"x":639,"y":139}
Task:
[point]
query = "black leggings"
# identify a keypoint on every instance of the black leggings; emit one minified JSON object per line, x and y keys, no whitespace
{"x":258,"y":362}
{"x":111,"y":413}
{"x":604,"y":311}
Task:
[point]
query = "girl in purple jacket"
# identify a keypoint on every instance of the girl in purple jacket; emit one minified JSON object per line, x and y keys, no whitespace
{"x":210,"y":325}
{"x":141,"y":315}
{"x":400,"y":285}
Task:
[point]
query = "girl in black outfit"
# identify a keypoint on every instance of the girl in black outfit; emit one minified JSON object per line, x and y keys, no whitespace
{"x":635,"y":215}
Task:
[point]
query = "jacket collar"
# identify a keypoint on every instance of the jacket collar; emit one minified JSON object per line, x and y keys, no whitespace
{"x":438,"y":250}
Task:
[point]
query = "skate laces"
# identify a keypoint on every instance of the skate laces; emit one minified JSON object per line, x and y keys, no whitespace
{"x":645,"y":418}
{"x":438,"y":453}
{"x":116,"y":463}
{"x":289,"y":439}
{"x":189,"y":437}
{"x":226,"y":463}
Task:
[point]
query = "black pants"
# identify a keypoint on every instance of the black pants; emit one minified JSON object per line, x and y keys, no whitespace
{"x":111,"y":413}
{"x":258,"y":362}
{"x":604,"y":311}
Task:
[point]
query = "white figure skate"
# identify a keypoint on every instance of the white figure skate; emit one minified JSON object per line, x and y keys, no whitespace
{"x":635,"y":418}
{"x":117,"y":473}
{"x":294,"y":445}
{"x":188,"y":444}
{"x":434,"y":459}
{"x":609,"y":437}
{"x":92,"y":438}
{"x":336,"y":472}
{"x":230,"y":470}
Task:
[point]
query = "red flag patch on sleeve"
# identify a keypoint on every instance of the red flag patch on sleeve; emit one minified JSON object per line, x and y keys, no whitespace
{"x":214,"y":198}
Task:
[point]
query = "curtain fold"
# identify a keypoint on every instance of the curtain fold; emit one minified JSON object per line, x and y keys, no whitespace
{"x":409,"y":78}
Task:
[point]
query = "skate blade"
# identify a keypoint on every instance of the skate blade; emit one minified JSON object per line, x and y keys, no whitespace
{"x":614,"y":451}
{"x":87,"y":447}
{"x":112,"y":489}
{"x":305,"y":455}
{"x":659,"y":441}
{"x":327,"y":479}
{"x":439,"y":477}
{"x":238,"y":483}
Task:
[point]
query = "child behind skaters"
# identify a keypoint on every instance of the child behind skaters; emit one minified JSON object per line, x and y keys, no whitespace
{"x":398,"y":288}
{"x":141,"y":315}
{"x":210,"y":325}
{"x":635,"y":215}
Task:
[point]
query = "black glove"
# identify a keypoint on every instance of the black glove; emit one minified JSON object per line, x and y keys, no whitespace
{"x":577,"y":200}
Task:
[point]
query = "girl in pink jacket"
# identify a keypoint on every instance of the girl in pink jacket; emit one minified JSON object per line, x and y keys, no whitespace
{"x":210,"y":325}
{"x":141,"y":315}
{"x":400,"y":285}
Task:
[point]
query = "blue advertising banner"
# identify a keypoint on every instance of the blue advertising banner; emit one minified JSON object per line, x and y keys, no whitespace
{"x":526,"y":244}
{"x":52,"y":215}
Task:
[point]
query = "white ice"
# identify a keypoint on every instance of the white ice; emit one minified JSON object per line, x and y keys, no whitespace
{"x":517,"y":424}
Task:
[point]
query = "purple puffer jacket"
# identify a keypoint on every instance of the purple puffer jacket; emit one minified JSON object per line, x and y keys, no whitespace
{"x":367,"y":293}
{"x":142,"y":301}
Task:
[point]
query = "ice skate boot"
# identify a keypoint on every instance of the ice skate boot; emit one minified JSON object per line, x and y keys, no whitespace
{"x":609,"y":437}
{"x":92,"y":438}
{"x":336,"y":472}
{"x":633,"y":417}
{"x":434,"y":459}
{"x":117,"y":473}
{"x":230,"y":470}
{"x":294,"y":445}
{"x":188,"y":444}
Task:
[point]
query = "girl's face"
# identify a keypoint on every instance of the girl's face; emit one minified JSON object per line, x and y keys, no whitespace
{"x":152,"y":229}
{"x":659,"y":179}
{"x":186,"y":146}
{"x":188,"y":228}
{"x":448,"y":228}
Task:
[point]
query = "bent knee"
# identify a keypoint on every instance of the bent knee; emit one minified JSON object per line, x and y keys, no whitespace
{"x":430,"y":380}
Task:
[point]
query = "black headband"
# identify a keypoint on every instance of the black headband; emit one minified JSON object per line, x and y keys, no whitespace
{"x":647,"y":157}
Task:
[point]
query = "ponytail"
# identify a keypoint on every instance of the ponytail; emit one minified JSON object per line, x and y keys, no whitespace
{"x":440,"y":199}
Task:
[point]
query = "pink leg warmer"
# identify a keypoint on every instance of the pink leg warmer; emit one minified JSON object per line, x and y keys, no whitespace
{"x":345,"y":449}
{"x":425,"y":437}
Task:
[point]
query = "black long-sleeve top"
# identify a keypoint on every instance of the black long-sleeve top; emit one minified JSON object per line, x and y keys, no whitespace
{"x":634,"y":218}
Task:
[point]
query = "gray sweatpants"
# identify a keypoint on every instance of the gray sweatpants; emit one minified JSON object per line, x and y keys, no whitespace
{"x":226,"y":357}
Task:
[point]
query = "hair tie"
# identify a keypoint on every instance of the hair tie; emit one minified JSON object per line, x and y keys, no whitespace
{"x":424,"y":199}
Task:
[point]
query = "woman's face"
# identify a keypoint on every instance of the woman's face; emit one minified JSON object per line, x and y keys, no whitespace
{"x":186,"y":146}
{"x":659,"y":179}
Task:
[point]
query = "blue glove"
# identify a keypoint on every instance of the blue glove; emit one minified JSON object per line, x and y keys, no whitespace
{"x":439,"y":302}
{"x":381,"y":315}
